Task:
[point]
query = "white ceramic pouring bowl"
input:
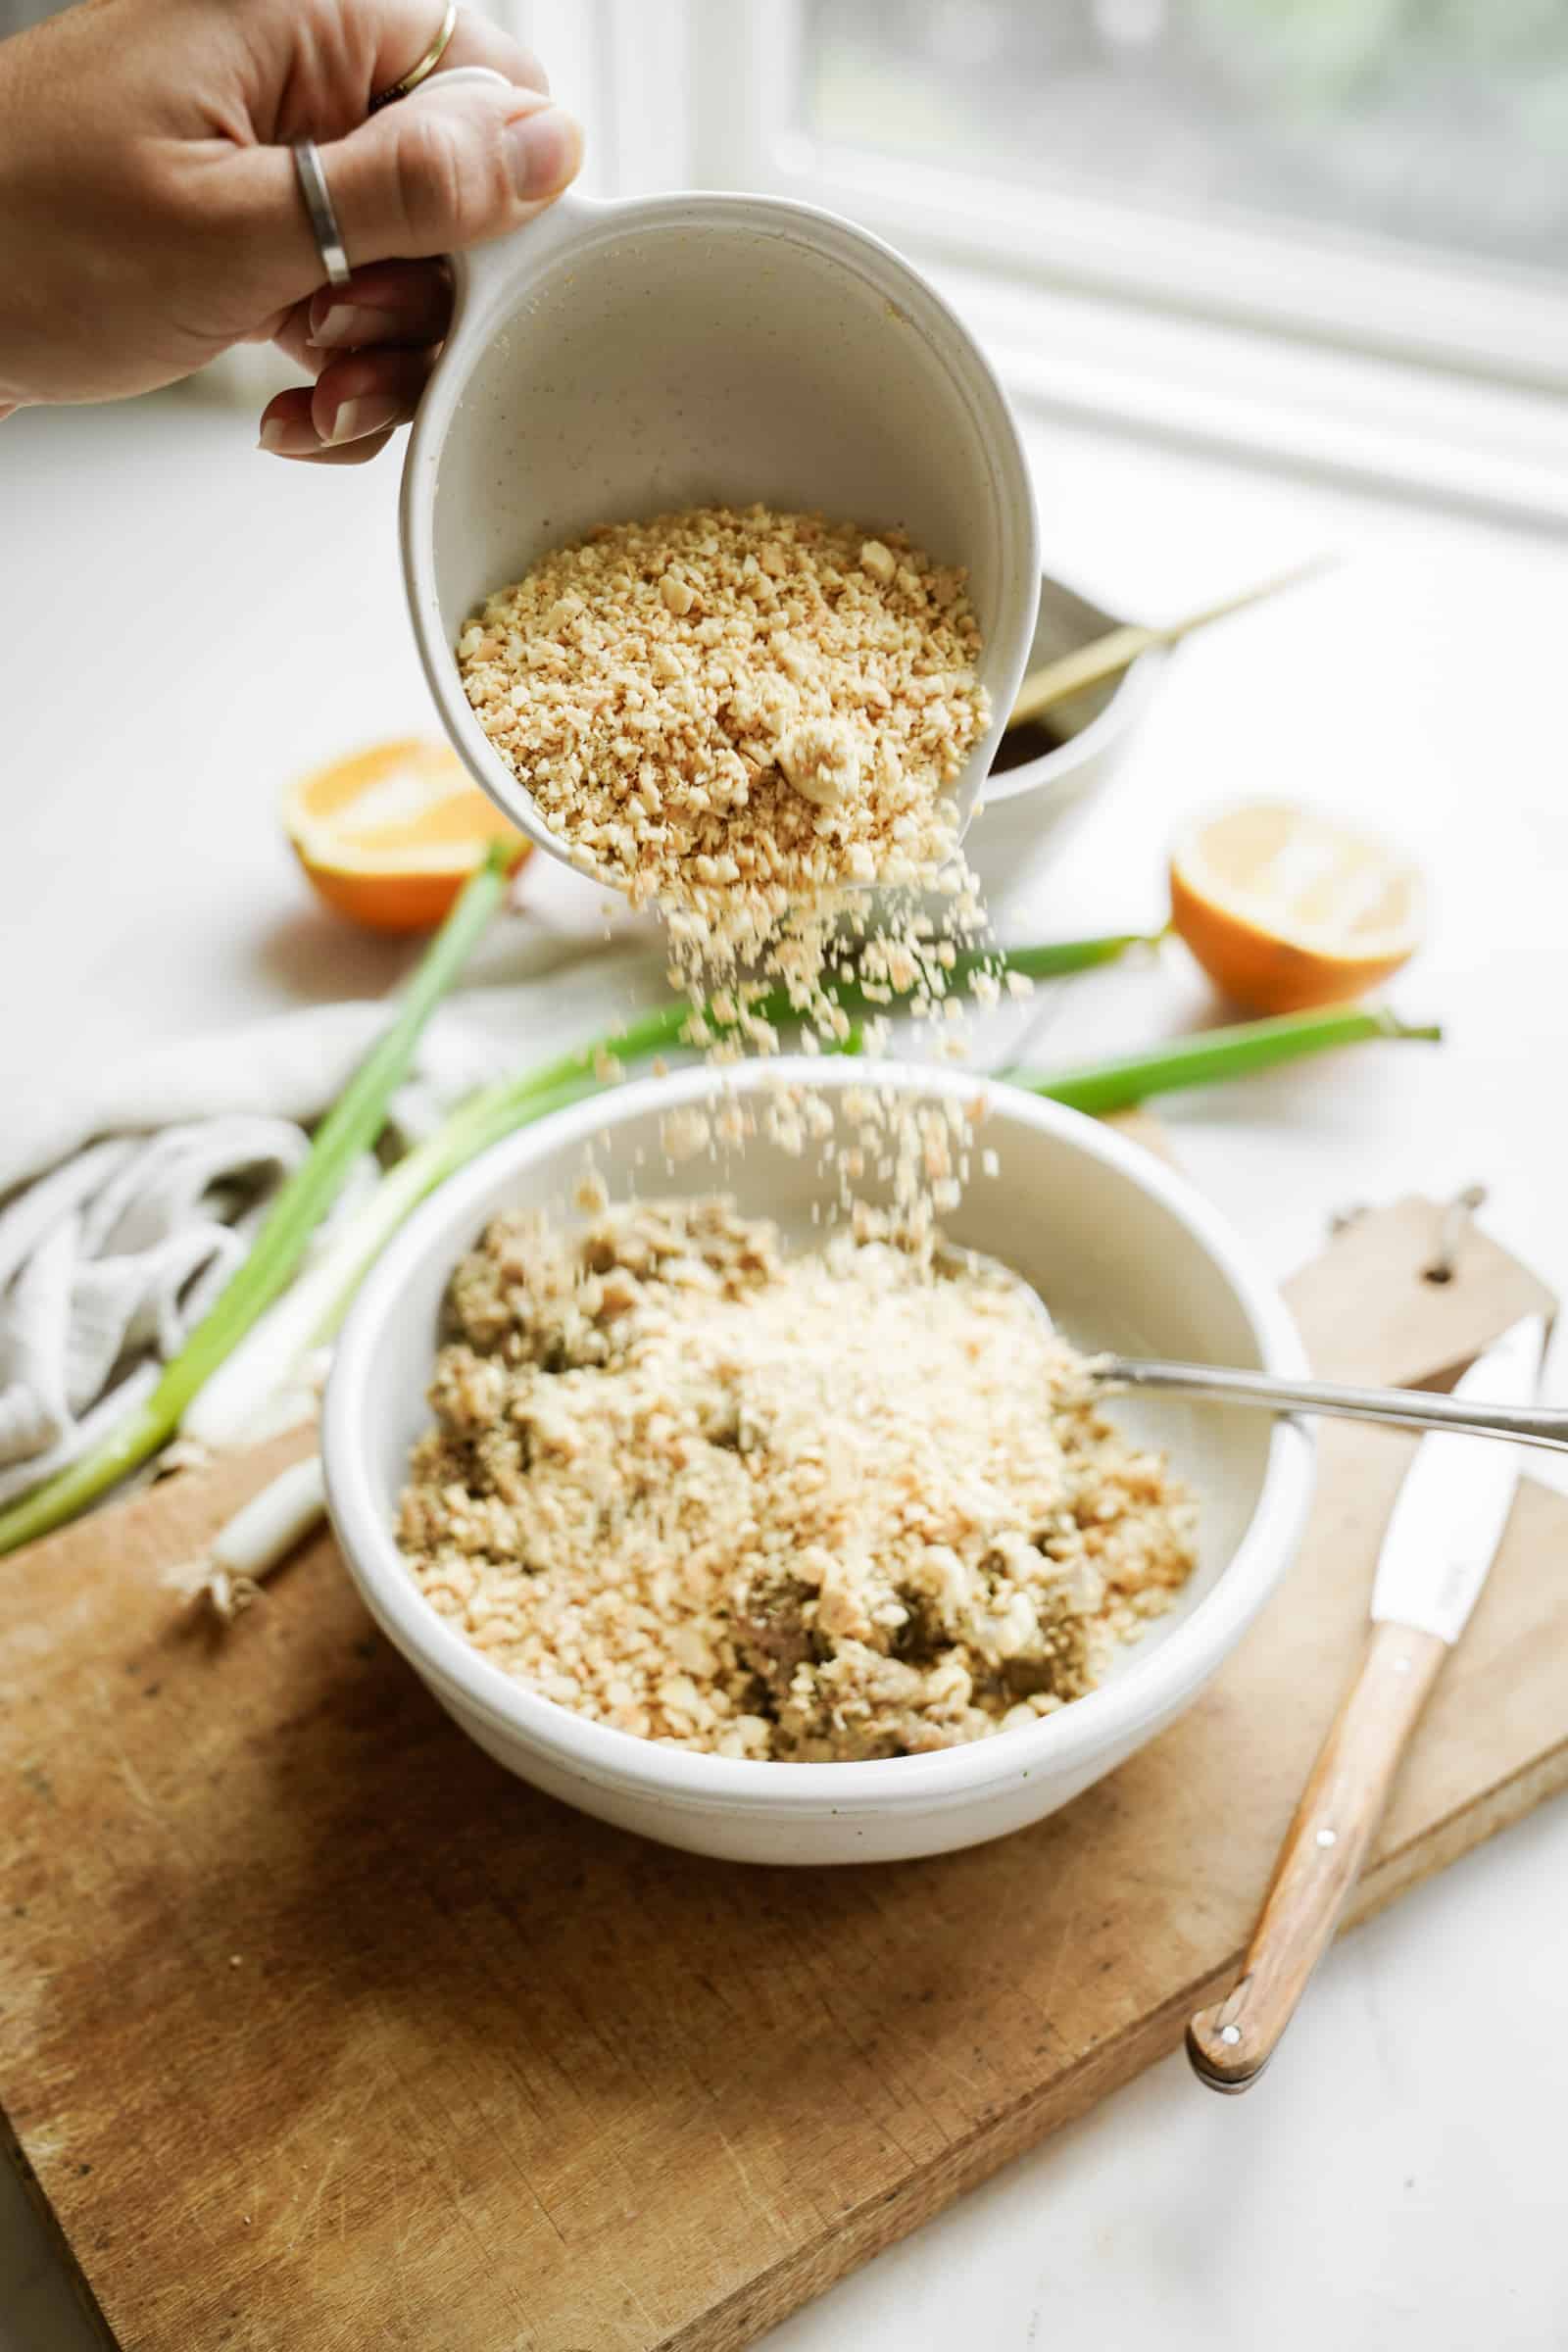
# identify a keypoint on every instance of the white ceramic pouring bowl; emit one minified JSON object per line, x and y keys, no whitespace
{"x":614,"y":361}
{"x":1129,"y":1257}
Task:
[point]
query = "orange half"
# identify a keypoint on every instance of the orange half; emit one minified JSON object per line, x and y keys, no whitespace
{"x":389,"y":837}
{"x":1284,"y":909}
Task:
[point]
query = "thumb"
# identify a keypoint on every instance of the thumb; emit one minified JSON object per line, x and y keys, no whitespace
{"x":444,"y":168}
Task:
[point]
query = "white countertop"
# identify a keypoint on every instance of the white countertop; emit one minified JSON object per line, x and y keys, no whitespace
{"x":186,"y":624}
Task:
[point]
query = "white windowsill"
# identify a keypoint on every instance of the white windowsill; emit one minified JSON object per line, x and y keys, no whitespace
{"x":1403,"y":430}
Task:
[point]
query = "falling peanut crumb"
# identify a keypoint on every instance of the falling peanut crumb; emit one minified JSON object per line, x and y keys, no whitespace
{"x":685,"y":1133}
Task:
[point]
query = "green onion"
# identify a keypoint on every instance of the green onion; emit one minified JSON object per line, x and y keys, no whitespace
{"x":480,"y":1121}
{"x":666,"y":1030}
{"x":351,"y":1126}
{"x":1053,"y":960}
{"x":239,"y":1402}
{"x":1057,"y":957}
{"x":1214,"y":1056}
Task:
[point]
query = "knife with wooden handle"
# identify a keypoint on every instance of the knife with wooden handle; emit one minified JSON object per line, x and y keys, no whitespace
{"x":1447,"y":1525}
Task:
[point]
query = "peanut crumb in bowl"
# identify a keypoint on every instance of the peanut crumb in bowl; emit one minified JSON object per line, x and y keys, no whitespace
{"x":735,"y":712}
{"x":812,"y":1507}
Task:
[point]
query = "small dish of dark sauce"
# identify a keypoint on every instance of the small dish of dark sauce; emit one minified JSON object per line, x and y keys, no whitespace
{"x":1032,"y":741}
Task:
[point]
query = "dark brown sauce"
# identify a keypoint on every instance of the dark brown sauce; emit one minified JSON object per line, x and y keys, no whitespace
{"x":1032,"y":741}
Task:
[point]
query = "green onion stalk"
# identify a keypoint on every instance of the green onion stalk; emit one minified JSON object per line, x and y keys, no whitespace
{"x":350,"y":1127}
{"x":1213,"y":1056}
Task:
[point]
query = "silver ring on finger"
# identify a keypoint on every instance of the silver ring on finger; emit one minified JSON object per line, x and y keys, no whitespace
{"x":311,"y":176}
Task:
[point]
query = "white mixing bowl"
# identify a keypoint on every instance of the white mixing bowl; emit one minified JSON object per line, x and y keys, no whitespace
{"x":614,"y":361}
{"x":1127,"y":1254}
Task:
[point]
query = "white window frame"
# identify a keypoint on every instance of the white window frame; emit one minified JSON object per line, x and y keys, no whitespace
{"x":1376,"y":296}
{"x":1337,"y":356}
{"x":622,"y":66}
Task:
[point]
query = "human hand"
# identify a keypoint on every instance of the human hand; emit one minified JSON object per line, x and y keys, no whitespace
{"x":150,"y":216}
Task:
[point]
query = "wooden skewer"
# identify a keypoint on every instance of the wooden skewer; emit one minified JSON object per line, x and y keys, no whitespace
{"x":1107,"y":657}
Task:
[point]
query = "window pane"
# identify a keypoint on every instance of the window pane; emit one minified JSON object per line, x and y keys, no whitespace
{"x":1439,"y":122}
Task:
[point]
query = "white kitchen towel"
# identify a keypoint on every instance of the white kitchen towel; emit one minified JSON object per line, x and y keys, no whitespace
{"x":108,"y":1262}
{"x":125,"y":1205}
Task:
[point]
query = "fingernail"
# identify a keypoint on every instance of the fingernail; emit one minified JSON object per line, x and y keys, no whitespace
{"x":286,"y":439}
{"x":347,"y":322}
{"x":357,"y":418}
{"x":544,"y":150}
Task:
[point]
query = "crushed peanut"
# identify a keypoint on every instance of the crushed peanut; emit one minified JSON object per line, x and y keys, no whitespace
{"x":735,"y":712}
{"x":814,"y":1507}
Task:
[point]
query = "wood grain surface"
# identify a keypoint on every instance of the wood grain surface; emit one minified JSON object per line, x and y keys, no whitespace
{"x":320,"y":2031}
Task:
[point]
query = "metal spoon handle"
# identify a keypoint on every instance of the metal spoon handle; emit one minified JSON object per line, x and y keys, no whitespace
{"x":1399,"y":1408}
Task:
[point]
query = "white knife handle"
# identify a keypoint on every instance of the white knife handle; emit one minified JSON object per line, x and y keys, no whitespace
{"x":1344,"y":1801}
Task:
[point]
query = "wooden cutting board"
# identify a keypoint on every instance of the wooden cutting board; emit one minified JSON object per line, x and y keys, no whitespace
{"x":316,"y":2028}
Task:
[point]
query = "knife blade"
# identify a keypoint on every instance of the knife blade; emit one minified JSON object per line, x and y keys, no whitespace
{"x":1443,"y":1535}
{"x":1450,"y":1514}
